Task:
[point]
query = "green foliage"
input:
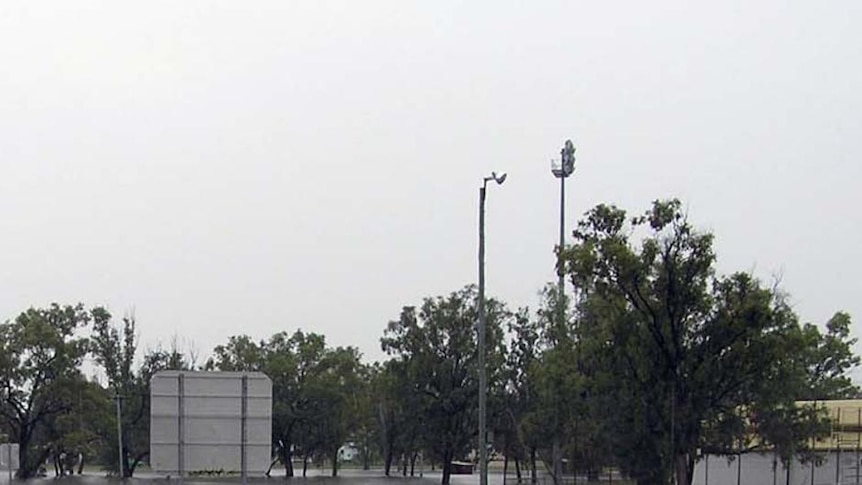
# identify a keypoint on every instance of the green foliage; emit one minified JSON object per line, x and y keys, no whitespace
{"x":316,"y":390}
{"x":519,"y":435}
{"x":827,"y":358}
{"x":397,"y":411}
{"x":679,"y":357}
{"x":76,"y":433}
{"x":656,"y":358}
{"x":39,"y":359}
{"x":114,"y":350}
{"x":436,"y":345}
{"x":366,"y":433}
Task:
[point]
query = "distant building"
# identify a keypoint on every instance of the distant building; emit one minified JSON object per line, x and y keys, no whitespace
{"x":348,"y":452}
{"x":846,"y":433}
{"x":839,"y":456}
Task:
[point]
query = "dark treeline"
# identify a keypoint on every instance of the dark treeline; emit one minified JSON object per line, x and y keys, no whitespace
{"x":655,"y":359}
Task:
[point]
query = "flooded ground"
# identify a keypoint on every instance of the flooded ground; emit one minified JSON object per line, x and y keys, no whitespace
{"x":315,"y":477}
{"x":752,"y":470}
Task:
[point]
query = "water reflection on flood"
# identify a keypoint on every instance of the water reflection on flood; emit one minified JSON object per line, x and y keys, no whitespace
{"x":315,"y":477}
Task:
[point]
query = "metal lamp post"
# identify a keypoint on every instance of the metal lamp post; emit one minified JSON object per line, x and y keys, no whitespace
{"x":562,"y":171}
{"x":483,"y":378}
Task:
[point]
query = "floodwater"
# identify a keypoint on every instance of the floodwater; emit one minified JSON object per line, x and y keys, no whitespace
{"x":315,"y":477}
{"x":753,"y":469}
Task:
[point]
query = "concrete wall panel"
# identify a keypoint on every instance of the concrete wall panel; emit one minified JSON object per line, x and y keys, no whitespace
{"x":197,"y":421}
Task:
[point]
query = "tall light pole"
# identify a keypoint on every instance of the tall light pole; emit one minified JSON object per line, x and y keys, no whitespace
{"x":562,"y":171}
{"x":483,"y":378}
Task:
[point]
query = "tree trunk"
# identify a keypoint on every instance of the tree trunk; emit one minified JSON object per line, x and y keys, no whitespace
{"x":557,"y":459}
{"x":447,"y":467}
{"x":335,"y":462}
{"x":413,"y":457}
{"x":56,"y":460}
{"x":304,"y":465}
{"x":286,"y":459}
{"x":25,"y":469}
{"x":387,"y":439}
{"x":387,"y":461}
{"x":518,"y":469}
{"x":534,"y":473}
{"x":271,"y":464}
{"x":28,"y":468}
{"x":505,"y":466}
{"x":127,"y":469}
{"x":366,"y":455}
{"x":137,"y":461}
{"x":684,"y":469}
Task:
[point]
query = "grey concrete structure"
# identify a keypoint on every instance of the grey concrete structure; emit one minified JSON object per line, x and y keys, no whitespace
{"x":9,"y":456}
{"x":210,"y":422}
{"x":831,"y":468}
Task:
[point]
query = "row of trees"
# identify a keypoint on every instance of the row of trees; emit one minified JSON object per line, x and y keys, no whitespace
{"x":656,"y":359}
{"x":53,"y":411}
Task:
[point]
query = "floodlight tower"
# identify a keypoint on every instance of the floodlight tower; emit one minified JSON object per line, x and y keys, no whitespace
{"x":483,"y":378}
{"x":562,"y":171}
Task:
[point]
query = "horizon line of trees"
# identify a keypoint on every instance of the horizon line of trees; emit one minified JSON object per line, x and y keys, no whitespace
{"x":653,"y":361}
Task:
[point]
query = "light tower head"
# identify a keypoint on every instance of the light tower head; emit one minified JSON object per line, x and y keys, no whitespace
{"x":567,"y":161}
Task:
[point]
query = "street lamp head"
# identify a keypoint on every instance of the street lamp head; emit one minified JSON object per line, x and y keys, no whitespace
{"x":499,"y":178}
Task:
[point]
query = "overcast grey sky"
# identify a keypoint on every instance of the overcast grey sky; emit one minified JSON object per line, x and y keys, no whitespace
{"x":250,"y":167}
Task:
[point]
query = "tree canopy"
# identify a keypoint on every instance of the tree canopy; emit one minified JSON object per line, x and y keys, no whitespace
{"x":436,"y":347}
{"x":676,"y":351}
{"x":40,"y":356}
{"x":655,"y":359}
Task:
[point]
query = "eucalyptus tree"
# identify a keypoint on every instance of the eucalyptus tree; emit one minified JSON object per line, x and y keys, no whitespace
{"x":827,"y":360}
{"x":519,"y":442}
{"x":366,"y":433}
{"x":114,"y":350}
{"x":278,"y":358}
{"x":114,"y":347}
{"x":76,"y":437}
{"x":40,"y":355}
{"x":397,"y":410}
{"x":333,"y":396}
{"x":676,"y":351}
{"x":294,"y":363}
{"x":436,"y":344}
{"x":316,"y":391}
